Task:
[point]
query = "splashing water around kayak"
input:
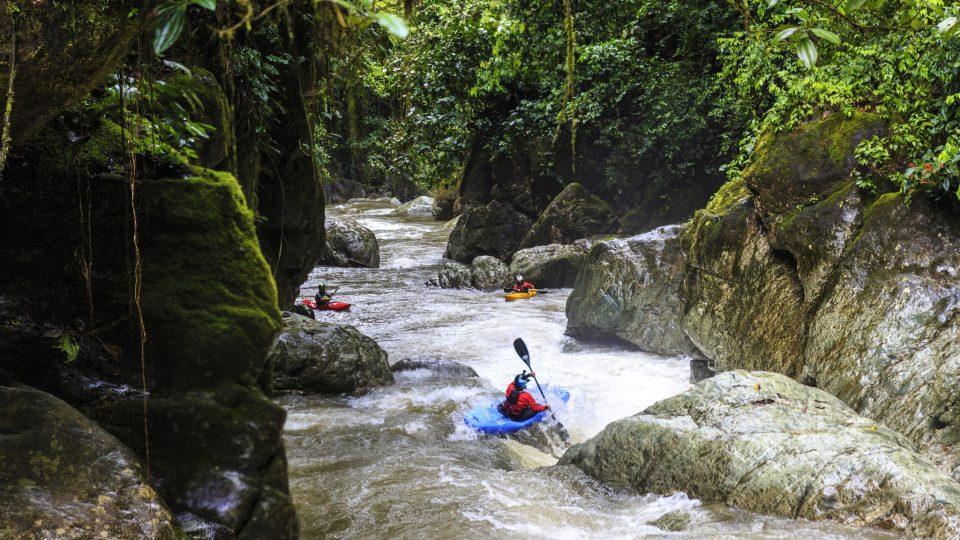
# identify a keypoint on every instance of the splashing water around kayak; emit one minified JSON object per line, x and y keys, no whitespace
{"x":400,"y":462}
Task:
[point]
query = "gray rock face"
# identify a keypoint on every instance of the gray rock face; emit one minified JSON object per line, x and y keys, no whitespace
{"x":438,"y":366}
{"x":628,"y":289}
{"x":554,"y":265}
{"x":329,"y":358}
{"x":573,"y":214}
{"x":62,"y":476}
{"x":489,"y":273}
{"x":453,"y":275}
{"x":495,"y":229}
{"x":765,"y":443}
{"x":421,"y":206}
{"x":485,"y":273}
{"x":351,"y":244}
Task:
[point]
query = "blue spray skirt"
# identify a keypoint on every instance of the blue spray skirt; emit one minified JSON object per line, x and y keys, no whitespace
{"x":489,"y":420}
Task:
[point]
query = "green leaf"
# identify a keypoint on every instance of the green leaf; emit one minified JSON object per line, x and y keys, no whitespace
{"x":855,"y":4}
{"x":827,"y":35}
{"x":947,"y":25}
{"x":807,"y":52}
{"x":208,"y":4}
{"x":393,"y":24}
{"x":69,"y":347}
{"x":785,"y":33}
{"x":772,"y":3}
{"x":170,"y":20}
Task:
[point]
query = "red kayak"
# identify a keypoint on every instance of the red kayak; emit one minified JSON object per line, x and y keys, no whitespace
{"x":332,"y":306}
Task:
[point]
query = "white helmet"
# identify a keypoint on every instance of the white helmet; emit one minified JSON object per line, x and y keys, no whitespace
{"x":519,"y":277}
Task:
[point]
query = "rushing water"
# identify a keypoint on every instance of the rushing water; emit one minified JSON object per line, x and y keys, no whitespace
{"x":398,"y":462}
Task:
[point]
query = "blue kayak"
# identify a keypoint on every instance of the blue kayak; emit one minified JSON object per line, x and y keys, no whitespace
{"x":489,"y":419}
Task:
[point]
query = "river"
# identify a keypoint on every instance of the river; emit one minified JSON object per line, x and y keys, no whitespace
{"x":398,"y":462}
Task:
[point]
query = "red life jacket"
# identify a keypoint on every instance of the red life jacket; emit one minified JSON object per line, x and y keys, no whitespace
{"x":515,"y":406}
{"x":523,"y":287}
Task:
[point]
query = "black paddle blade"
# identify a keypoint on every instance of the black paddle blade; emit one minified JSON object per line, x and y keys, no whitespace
{"x":522,"y":351}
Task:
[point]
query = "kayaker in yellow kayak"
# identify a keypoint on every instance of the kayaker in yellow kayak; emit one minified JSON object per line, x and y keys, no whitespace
{"x":519,"y":285}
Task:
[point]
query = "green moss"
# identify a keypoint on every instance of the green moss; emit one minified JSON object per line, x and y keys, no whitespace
{"x":209,"y":297}
{"x":730,"y":195}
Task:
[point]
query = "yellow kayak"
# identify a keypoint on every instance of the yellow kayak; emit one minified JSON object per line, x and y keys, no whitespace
{"x":510,"y":297}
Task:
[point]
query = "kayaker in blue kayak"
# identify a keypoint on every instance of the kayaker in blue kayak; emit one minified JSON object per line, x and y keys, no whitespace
{"x":520,"y":405}
{"x":519,"y":285}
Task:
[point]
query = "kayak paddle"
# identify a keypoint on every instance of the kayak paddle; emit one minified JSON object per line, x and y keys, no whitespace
{"x":524,"y":355}
{"x":538,"y":291}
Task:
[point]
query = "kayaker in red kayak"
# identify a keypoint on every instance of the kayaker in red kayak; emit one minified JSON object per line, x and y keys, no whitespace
{"x":322,"y":297}
{"x":519,"y":285}
{"x":520,"y":405}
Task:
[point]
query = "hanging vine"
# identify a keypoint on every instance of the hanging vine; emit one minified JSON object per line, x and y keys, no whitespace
{"x":568,"y":85}
{"x":130,"y":147}
{"x":5,"y":135}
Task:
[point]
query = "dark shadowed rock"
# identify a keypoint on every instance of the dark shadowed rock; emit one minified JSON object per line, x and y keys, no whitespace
{"x":322,"y":357}
{"x":573,"y":214}
{"x":628,"y":289}
{"x":763,"y":442}
{"x":63,"y":476}
{"x":351,"y":244}
{"x":436,"y":365}
{"x":554,"y":265}
{"x":495,"y":229}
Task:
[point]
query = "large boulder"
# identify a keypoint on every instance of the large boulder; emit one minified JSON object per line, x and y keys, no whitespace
{"x":489,"y":273}
{"x":853,"y":293}
{"x":443,"y":204}
{"x":494,"y":229}
{"x":765,"y":443}
{"x":422,"y":206}
{"x":453,"y":275}
{"x":323,"y":357}
{"x":436,"y":366}
{"x":63,"y":476}
{"x":553,"y":265}
{"x":573,"y":214}
{"x":351,"y":244}
{"x":485,"y":273}
{"x":628,"y":290}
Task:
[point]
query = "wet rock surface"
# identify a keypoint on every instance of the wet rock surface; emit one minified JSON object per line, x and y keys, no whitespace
{"x":63,"y":476}
{"x":438,"y":366}
{"x":763,"y":442}
{"x":314,"y":356}
{"x":351,"y":244}
{"x":554,"y":265}
{"x":628,"y":289}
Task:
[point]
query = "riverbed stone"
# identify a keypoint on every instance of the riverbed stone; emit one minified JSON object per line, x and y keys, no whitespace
{"x":422,"y":206}
{"x":765,"y":443}
{"x":628,"y":290}
{"x":63,"y":476}
{"x":494,"y":229}
{"x":315,"y":356}
{"x":439,"y":366}
{"x":573,"y":214}
{"x":553,"y":265}
{"x":489,"y":273}
{"x":351,"y":244}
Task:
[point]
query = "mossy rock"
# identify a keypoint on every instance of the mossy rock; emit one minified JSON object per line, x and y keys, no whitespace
{"x":765,"y":443}
{"x":790,"y":170}
{"x":64,"y":49}
{"x":494,"y":229}
{"x":573,"y":214}
{"x":63,"y":476}
{"x":209,"y":301}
